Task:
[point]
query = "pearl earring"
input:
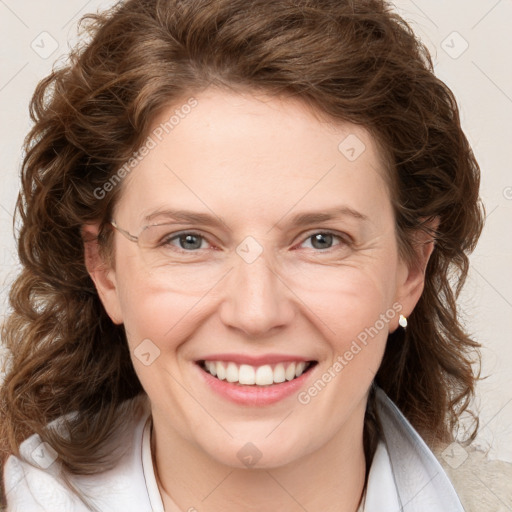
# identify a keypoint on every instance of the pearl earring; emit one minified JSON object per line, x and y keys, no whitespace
{"x":402,"y":321}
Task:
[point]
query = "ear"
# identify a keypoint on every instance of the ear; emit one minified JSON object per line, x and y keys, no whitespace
{"x":411,"y":277}
{"x":102,"y":273}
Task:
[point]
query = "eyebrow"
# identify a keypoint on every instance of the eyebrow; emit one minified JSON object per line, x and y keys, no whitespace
{"x":328,"y":214}
{"x":299,"y":219}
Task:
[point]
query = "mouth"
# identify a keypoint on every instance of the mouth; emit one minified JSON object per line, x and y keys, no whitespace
{"x":263,"y":376}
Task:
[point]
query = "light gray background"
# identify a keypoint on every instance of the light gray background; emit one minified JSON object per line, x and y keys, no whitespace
{"x":481,"y":78}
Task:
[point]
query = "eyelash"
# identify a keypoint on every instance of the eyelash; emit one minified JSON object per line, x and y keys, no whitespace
{"x":344,"y":240}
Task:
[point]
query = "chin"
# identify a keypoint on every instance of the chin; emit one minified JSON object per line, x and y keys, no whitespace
{"x":256,"y":454}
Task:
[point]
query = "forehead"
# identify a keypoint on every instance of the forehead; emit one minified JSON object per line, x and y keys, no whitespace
{"x":253,"y":153}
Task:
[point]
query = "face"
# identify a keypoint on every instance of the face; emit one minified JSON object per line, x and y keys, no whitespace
{"x":295,"y":259}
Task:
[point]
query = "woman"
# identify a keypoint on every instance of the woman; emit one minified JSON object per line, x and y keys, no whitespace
{"x":239,"y":222}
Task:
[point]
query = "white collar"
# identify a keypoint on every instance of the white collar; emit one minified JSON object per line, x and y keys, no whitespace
{"x":155,"y":499}
{"x":420,"y":481}
{"x":381,"y":493}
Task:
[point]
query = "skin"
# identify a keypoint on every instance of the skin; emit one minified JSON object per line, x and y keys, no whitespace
{"x":255,"y":162}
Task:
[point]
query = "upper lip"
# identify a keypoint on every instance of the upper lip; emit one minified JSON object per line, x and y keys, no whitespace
{"x":255,"y":360}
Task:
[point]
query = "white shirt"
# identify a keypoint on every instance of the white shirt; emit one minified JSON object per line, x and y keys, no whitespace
{"x":404,"y":475}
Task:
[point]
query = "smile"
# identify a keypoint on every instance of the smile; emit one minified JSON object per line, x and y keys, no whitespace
{"x":248,"y":375}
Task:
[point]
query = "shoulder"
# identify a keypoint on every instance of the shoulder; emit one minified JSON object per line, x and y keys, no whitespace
{"x":36,"y":480}
{"x":32,"y":481}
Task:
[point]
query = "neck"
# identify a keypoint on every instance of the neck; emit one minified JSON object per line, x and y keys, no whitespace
{"x":331,"y":478}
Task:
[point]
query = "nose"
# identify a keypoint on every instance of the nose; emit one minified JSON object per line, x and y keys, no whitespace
{"x":256,"y":300}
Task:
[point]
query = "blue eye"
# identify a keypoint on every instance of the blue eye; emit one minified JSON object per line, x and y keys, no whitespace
{"x":186,"y":241}
{"x":324,"y":240}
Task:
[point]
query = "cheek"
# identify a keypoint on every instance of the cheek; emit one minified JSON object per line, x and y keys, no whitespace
{"x":355,"y":316}
{"x":353,"y":308}
{"x":157,"y":324}
{"x":154,"y":314}
{"x":360,"y":326}
{"x":350,"y":297}
{"x":150,"y":310}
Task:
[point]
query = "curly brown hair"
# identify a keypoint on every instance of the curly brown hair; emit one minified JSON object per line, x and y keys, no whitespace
{"x":351,"y":61}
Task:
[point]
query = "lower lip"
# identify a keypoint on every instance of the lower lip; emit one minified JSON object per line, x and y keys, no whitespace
{"x":255,"y":395}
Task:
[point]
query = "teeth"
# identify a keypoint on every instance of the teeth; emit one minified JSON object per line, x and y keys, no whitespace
{"x":264,"y":375}
{"x":212,"y":367}
{"x":246,"y":375}
{"x":279,"y":373}
{"x":249,"y":375}
{"x":290,"y":372}
{"x":299,"y":369}
{"x":221,"y":371}
{"x":232,"y":372}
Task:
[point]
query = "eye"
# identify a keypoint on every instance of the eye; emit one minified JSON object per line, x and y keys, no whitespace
{"x":188,"y":241}
{"x":325,"y":240}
